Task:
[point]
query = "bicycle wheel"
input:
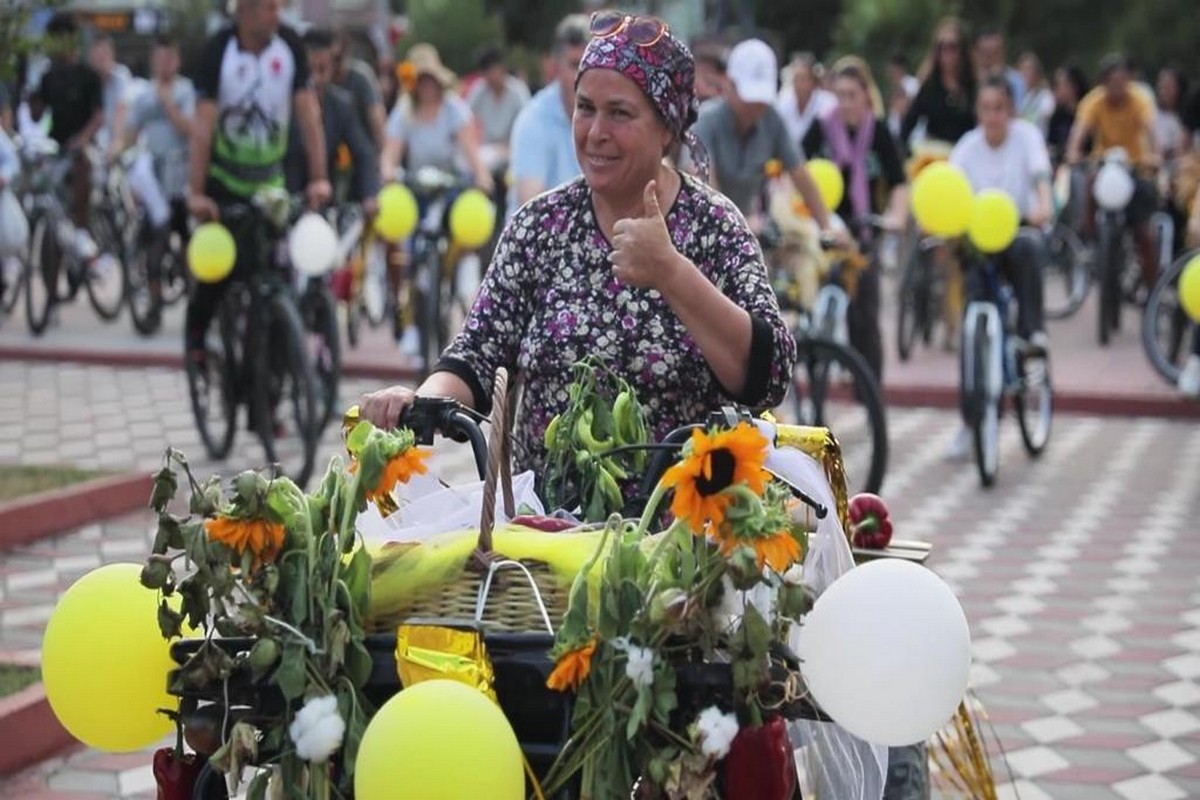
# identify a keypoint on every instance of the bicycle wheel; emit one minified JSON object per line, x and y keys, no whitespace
{"x":833,"y":387}
{"x":428,"y":284}
{"x":1108,"y":245}
{"x":42,"y":271}
{"x":12,"y":278}
{"x":211,"y":382}
{"x":1165,"y":325}
{"x":913,"y":303}
{"x":373,"y":293}
{"x":284,"y":402}
{"x":983,"y":413}
{"x":105,"y":275}
{"x":318,"y":309}
{"x":1033,"y":403}
{"x":144,"y":285}
{"x":1068,"y":276}
{"x":210,"y":784}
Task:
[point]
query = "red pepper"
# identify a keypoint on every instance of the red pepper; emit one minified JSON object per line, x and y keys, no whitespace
{"x":870,"y":526}
{"x":761,"y":764}
{"x":176,"y":774}
{"x":544,"y":524}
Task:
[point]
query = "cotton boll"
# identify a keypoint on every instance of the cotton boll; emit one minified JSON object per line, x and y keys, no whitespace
{"x":717,"y":732}
{"x":640,"y":667}
{"x":317,"y":729}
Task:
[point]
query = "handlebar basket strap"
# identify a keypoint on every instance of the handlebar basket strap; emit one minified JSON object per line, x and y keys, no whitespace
{"x":502,"y":594}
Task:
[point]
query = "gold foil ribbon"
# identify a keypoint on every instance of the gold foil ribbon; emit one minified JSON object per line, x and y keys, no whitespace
{"x":821,"y":445}
{"x":443,"y":650}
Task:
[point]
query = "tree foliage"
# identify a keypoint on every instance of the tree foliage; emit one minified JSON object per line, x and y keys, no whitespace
{"x":1057,"y":30}
{"x":457,"y":28}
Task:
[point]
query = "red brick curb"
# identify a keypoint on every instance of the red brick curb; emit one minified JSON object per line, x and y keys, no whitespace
{"x":49,"y":513}
{"x":1064,"y":402}
{"x":29,"y":731}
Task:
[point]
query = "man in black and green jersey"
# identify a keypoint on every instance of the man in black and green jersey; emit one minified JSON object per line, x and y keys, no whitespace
{"x":252,"y":78}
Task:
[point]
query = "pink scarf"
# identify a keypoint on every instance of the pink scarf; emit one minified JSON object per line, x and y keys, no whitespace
{"x":852,"y":156}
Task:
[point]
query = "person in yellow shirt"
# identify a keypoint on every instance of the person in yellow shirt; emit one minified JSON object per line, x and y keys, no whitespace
{"x":1118,"y":114}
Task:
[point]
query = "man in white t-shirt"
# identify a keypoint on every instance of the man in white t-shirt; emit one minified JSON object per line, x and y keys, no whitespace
{"x":802,"y":101}
{"x":1010,"y":155}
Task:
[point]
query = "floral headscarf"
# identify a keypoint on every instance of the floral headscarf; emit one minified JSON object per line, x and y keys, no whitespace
{"x":666,"y":74}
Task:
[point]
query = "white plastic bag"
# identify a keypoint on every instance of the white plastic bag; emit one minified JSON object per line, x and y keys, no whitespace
{"x":14,"y":227}
{"x":428,"y":508}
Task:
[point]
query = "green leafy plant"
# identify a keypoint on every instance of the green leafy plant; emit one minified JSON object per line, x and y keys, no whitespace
{"x":258,"y":560}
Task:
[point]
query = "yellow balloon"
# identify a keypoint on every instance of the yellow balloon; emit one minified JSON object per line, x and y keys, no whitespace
{"x":472,"y":219}
{"x":829,"y":181}
{"x":105,"y":663}
{"x":1189,"y":289}
{"x":211,"y":253}
{"x":994,"y":221}
{"x":942,"y":200}
{"x":397,"y":217}
{"x":439,"y":740}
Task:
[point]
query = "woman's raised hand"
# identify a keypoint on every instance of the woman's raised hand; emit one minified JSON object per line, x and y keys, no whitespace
{"x":643,"y":254}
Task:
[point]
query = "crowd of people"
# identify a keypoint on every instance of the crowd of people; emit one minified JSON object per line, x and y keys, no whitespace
{"x":269,"y":105}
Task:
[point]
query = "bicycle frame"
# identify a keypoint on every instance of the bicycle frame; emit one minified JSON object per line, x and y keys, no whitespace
{"x":989,"y":303}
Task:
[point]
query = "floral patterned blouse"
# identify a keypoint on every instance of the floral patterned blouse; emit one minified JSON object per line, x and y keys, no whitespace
{"x":550,"y":298}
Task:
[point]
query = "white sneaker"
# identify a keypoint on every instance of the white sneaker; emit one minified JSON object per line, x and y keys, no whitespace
{"x":1189,"y":378}
{"x":960,"y":446}
{"x":410,"y":342}
{"x":85,"y":246}
{"x":1040,"y":341}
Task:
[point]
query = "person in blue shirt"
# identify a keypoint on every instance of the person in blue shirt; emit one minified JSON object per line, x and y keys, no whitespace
{"x":542,"y":150}
{"x":990,"y":60}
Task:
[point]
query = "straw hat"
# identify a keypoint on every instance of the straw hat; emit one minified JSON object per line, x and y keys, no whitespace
{"x":426,"y":61}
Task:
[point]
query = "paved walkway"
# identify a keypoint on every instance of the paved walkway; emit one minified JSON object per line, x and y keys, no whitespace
{"x":1076,"y":571}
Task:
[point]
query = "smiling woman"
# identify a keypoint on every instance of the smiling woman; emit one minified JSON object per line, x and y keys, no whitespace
{"x":649,"y":269}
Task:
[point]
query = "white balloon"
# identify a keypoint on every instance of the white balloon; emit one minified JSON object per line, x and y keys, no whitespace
{"x":1114,"y":187}
{"x":313,"y":245}
{"x":886,"y":652}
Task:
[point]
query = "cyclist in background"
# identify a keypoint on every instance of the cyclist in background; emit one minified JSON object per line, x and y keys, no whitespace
{"x":863,"y":148}
{"x":991,"y":60}
{"x":357,"y":78}
{"x":71,"y":92}
{"x":944,"y":108}
{"x":802,"y":101}
{"x":252,"y":79}
{"x":342,"y":128}
{"x":743,"y":131}
{"x":162,"y":117}
{"x":116,"y":79}
{"x":496,"y":101}
{"x":1009,"y":154}
{"x":1115,"y":114}
{"x":542,"y":150}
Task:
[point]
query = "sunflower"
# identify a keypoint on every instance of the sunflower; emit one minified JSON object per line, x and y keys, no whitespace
{"x":779,"y":550}
{"x":264,"y":539}
{"x":399,"y":469}
{"x":406,"y":74}
{"x":716,"y":462}
{"x":572,"y":668}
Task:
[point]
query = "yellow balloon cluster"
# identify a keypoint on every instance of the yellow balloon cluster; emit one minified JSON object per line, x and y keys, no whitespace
{"x":439,"y":740}
{"x":397,"y":217}
{"x":829,"y":181}
{"x":105,"y":663}
{"x":472,"y":219}
{"x":942,"y":200}
{"x":994,"y":221}
{"x":211,"y":253}
{"x":1189,"y":289}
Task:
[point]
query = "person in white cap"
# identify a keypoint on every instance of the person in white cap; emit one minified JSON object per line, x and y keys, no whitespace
{"x":743,"y":131}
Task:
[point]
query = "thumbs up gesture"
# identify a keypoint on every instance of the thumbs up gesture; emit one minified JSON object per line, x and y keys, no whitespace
{"x":643,"y":254}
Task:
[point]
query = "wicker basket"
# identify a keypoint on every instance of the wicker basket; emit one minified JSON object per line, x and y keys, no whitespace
{"x":504,"y":595}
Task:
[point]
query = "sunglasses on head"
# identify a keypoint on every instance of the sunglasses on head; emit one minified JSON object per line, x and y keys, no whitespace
{"x":642,"y":31}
